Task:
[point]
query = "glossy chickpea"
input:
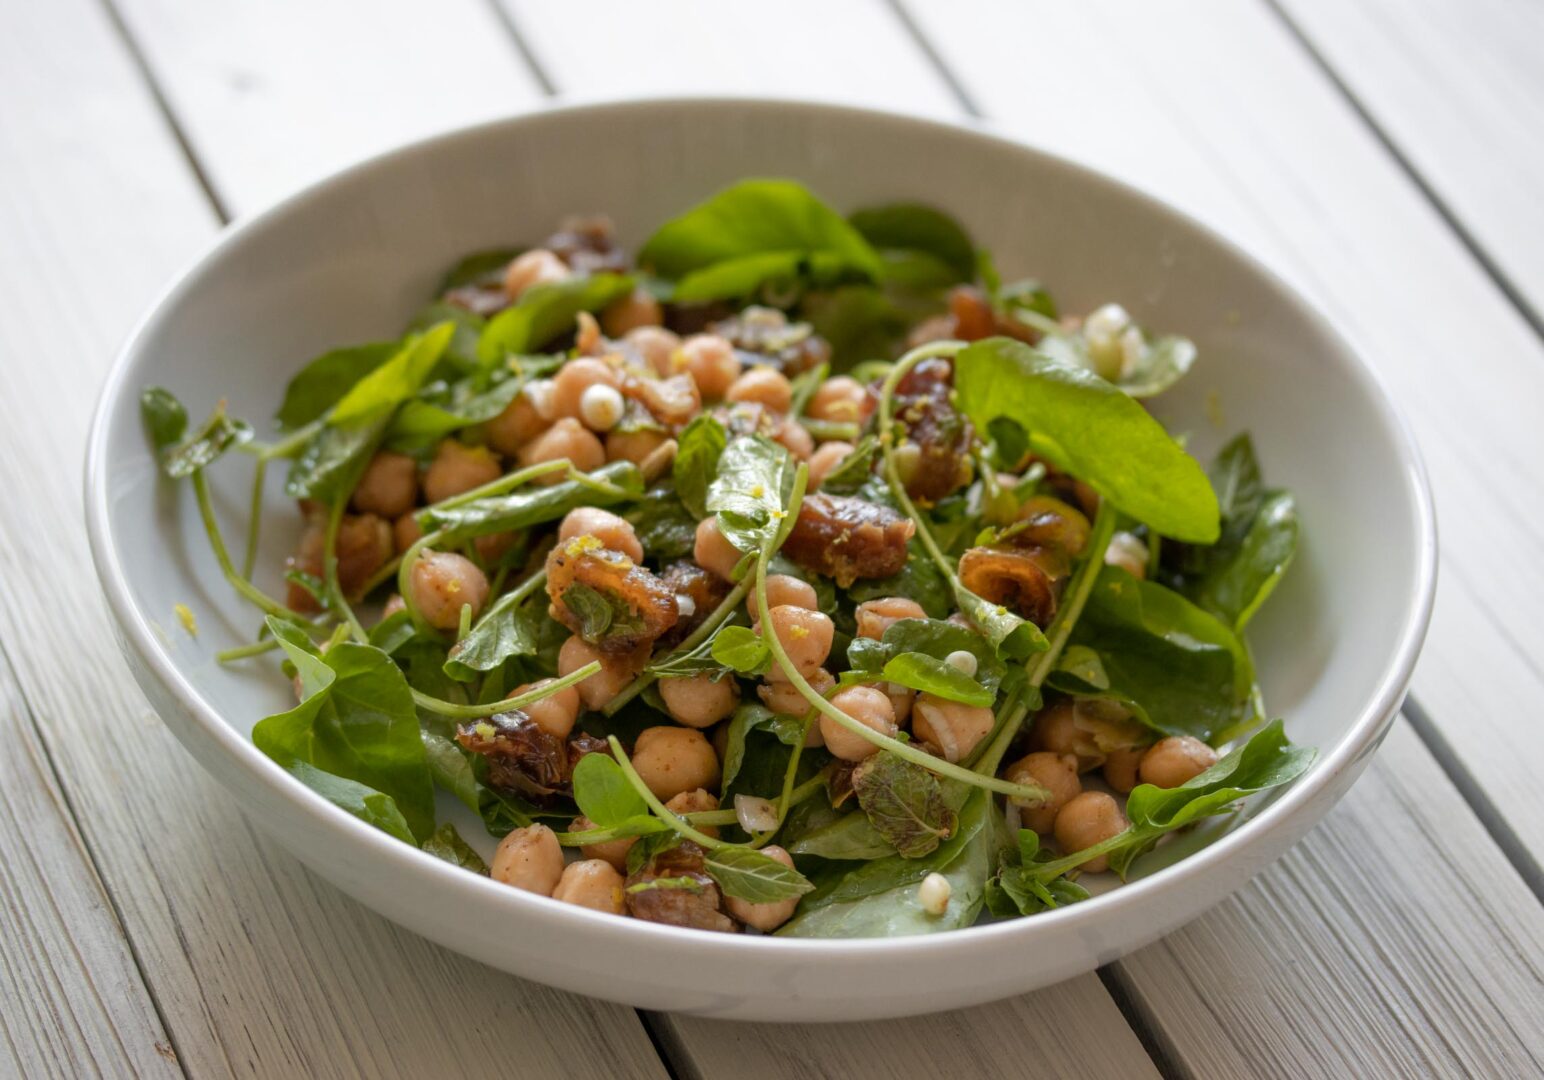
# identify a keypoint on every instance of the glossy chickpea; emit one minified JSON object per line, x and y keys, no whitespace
{"x":765,"y":387}
{"x":867,"y":706}
{"x":1120,"y":769}
{"x":1056,"y":730}
{"x":493,"y":547}
{"x":556,"y":713}
{"x":535,"y":267}
{"x":901,"y":700}
{"x":636,"y":446}
{"x":712,"y":550}
{"x":576,"y":377}
{"x":405,"y":532}
{"x":806,"y":637}
{"x":1127,"y":552}
{"x":591,"y":883}
{"x":1175,"y":760}
{"x":1049,"y":521}
{"x":442,"y":583}
{"x":874,"y":617}
{"x":697,"y":700}
{"x":567,"y":438}
{"x":654,"y":346}
{"x":769,"y":916}
{"x":637,"y":309}
{"x":711,"y":362}
{"x":458,"y":468}
{"x":613,"y":851}
{"x":596,"y":691}
{"x":783,"y":589}
{"x":529,"y":859}
{"x":826,"y":458}
{"x":794,"y":437}
{"x":1089,"y":818}
{"x":671,"y":760}
{"x":840,"y":400}
{"x":394,"y":603}
{"x":952,"y":726}
{"x":696,"y":801}
{"x":389,"y":486}
{"x":517,"y":425}
{"x":1057,"y":773}
{"x":784,"y":698}
{"x":614,"y":532}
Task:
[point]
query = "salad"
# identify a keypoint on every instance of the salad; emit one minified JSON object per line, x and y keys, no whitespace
{"x":798,"y":575}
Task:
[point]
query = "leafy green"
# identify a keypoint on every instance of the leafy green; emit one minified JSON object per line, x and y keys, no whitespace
{"x":846,"y":837}
{"x":934,"y":637}
{"x":664,"y":525}
{"x":698,"y":449}
{"x":741,"y":649}
{"x":1240,"y":579}
{"x":919,"y":580}
{"x":422,"y":423}
{"x":754,"y":481}
{"x":545,"y":311}
{"x":1013,"y":638}
{"x":323,"y":382}
{"x":1019,"y":890}
{"x":749,"y":875}
{"x":508,"y":628}
{"x":599,"y":613}
{"x":394,"y":381}
{"x":1161,"y":363}
{"x":929,"y":675}
{"x":533,"y":505}
{"x":750,"y":717}
{"x":854,"y":470}
{"x":446,"y":843}
{"x":860,"y":322}
{"x":904,"y":802}
{"x":921,"y":246}
{"x":201,"y":447}
{"x":165,"y":417}
{"x":1086,"y":426}
{"x":603,"y":793}
{"x":361,"y":800}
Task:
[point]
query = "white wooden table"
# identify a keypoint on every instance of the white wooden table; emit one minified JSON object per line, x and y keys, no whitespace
{"x":1384,"y":155}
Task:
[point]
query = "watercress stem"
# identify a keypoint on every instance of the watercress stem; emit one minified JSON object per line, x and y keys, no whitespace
{"x":675,"y":821}
{"x":254,"y":516}
{"x":477,"y":712}
{"x":405,"y":576}
{"x":725,"y":609}
{"x":222,"y":556}
{"x":330,"y":573}
{"x":507,"y":482}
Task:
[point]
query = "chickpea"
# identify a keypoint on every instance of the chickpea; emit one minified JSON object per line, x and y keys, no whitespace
{"x":952,"y":726}
{"x":637,"y":309}
{"x":529,"y":859}
{"x":613,"y":851}
{"x":784,"y":590}
{"x":517,"y":425}
{"x":876,"y":616}
{"x":389,"y":486}
{"x":535,"y":267}
{"x":764,"y":386}
{"x":615,"y":532}
{"x":655,"y":346}
{"x":825,"y":459}
{"x":867,"y":706}
{"x":442,"y":582}
{"x":696,"y":801}
{"x":711,"y":362}
{"x":1127,"y":552}
{"x":671,"y":760}
{"x":901,"y":700}
{"x":577,"y":376}
{"x":591,"y":883}
{"x":1089,"y":728}
{"x":493,"y":547}
{"x":457,"y":468}
{"x":1176,"y":760}
{"x":1087,"y":819}
{"x":712,"y":550}
{"x":1052,"y":522}
{"x":769,"y":916}
{"x":784,"y":698}
{"x":793,"y":435}
{"x":587,"y":336}
{"x":634,"y":446}
{"x":805,"y":636}
{"x":1120,"y":769}
{"x":406,"y":532}
{"x":840,"y":400}
{"x":697,"y":701}
{"x":615,"y":672}
{"x":1057,"y":773}
{"x":567,"y":438}
{"x":556,"y":713}
{"x":394,"y":604}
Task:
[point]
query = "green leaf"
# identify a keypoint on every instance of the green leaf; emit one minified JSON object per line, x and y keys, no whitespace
{"x":1241,"y":579}
{"x":446,"y":843}
{"x":698,"y":449}
{"x":1164,"y":362}
{"x":507,"y":629}
{"x":1013,"y":638}
{"x":749,"y":875}
{"x":1240,"y":488}
{"x":201,"y":447}
{"x":766,"y":228}
{"x":533,"y":505}
{"x":904,"y":802}
{"x":860,"y":322}
{"x":903,"y":231}
{"x":546,"y":311}
{"x":396,"y":380}
{"x":918,"y":671}
{"x":843,"y":837}
{"x":419,"y":424}
{"x":933,"y":637}
{"x":741,"y":649}
{"x":665,"y":527}
{"x":165,"y":418}
{"x":919,"y":580}
{"x":322,"y":383}
{"x":854,"y":470}
{"x":364,"y":802}
{"x":737,"y":279}
{"x":452,"y":769}
{"x":749,"y":717}
{"x":754,"y":481}
{"x":1085,"y":426}
{"x":603,"y":793}
{"x":601,"y":615}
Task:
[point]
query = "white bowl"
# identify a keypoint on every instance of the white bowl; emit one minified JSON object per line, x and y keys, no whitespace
{"x":351,"y":258}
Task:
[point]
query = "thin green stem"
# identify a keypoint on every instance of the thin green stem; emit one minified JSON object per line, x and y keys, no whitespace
{"x":254,"y":517}
{"x":507,"y":482}
{"x":1154,"y":554}
{"x":807,"y":387}
{"x":478,"y":712}
{"x":288,"y":446}
{"x":241,"y":652}
{"x":675,"y":821}
{"x":405,"y":576}
{"x":222,"y":556}
{"x":831,"y":430}
{"x":725,"y":609}
{"x":330,"y":573}
{"x":1049,"y":871}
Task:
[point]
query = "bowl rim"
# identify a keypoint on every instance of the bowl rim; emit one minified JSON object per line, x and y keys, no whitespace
{"x":1363,"y":735}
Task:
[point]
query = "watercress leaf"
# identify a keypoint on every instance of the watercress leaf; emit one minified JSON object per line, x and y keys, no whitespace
{"x":534,"y":505}
{"x":421,"y":423}
{"x":312,"y":671}
{"x":919,"y":580}
{"x":754,"y":481}
{"x":598,"y":613}
{"x":1240,"y":488}
{"x":698,"y":449}
{"x":854,"y":470}
{"x":1240,"y":578}
{"x":461,"y":354}
{"x":603,"y":793}
{"x":665,"y":527}
{"x":204,"y":445}
{"x":938,"y":638}
{"x":322,"y":383}
{"x":546,"y":311}
{"x":394,"y":381}
{"x":741,"y":649}
{"x":757,"y":218}
{"x":902,"y":231}
{"x":1013,"y":638}
{"x":930,"y":675}
{"x":848,"y":837}
{"x":740,"y":277}
{"x":749,"y":875}
{"x":452,"y":769}
{"x":364,"y":802}
{"x":1084,"y":425}
{"x":860,"y":322}
{"x":446,"y":843}
{"x":165,"y":417}
{"x":330,"y":463}
{"x":362,"y":726}
{"x":904,"y":803}
{"x":508,"y":628}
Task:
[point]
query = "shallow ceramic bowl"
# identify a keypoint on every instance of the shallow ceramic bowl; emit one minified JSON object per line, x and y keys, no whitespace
{"x":351,"y":258}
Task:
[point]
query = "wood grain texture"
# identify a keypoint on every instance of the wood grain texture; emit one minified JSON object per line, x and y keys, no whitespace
{"x":1458,"y":89}
{"x":258,"y":968}
{"x":87,"y":1012}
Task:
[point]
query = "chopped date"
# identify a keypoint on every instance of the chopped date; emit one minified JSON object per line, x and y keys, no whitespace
{"x":699,"y":906}
{"x":638,"y":606}
{"x":588,"y":245}
{"x":522,"y":758}
{"x":847,"y":538}
{"x":685,"y":579}
{"x":1026,"y":581}
{"x":934,"y":457}
{"x":763,"y":335}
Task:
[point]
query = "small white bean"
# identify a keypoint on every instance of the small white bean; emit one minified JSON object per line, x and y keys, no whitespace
{"x":933,"y":894}
{"x":600,"y":407}
{"x":962,"y":661}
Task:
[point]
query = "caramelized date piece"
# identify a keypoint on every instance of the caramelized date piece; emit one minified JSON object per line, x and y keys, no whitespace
{"x":848,"y":538}
{"x":641,"y":607}
{"x":705,"y":591}
{"x":1026,"y":581}
{"x":522,"y":758}
{"x":746,"y":418}
{"x":699,"y":907}
{"x":764,"y":336}
{"x":934,"y":457}
{"x":588,"y":245}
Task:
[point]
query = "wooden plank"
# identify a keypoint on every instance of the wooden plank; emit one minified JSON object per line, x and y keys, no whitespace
{"x":277,"y":94}
{"x":258,"y":968}
{"x":1459,"y":91}
{"x":89,"y":1012}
